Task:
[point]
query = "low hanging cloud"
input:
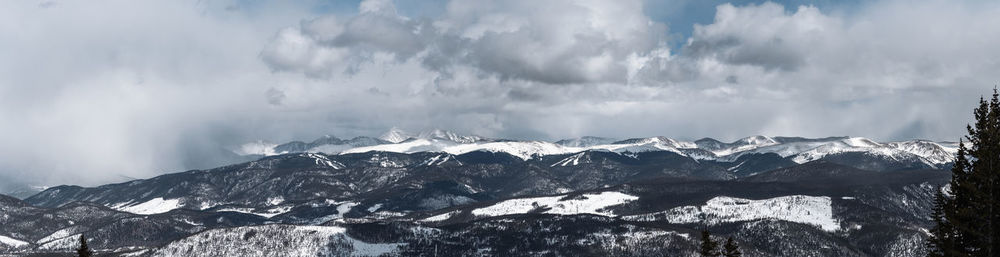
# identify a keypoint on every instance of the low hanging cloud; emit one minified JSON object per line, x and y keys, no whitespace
{"x":90,"y":92}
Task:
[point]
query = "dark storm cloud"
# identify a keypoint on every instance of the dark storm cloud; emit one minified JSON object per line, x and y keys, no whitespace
{"x":771,"y":54}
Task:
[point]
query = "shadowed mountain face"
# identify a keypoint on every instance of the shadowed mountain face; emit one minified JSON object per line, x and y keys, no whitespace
{"x":593,"y":202}
{"x":302,"y":177}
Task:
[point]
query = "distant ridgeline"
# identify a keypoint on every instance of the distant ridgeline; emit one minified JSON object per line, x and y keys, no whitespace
{"x":445,"y":194}
{"x":914,"y":154}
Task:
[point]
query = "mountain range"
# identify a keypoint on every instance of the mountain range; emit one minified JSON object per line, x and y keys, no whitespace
{"x":912,"y":153}
{"x":442,"y":193}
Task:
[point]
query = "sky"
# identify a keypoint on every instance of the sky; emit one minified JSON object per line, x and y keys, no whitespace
{"x":93,"y":91}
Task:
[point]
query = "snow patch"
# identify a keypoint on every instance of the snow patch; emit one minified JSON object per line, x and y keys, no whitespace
{"x":62,"y":233}
{"x":12,"y":242}
{"x":440,"y":217}
{"x":438,"y":160}
{"x":569,"y":161}
{"x":322,"y":160}
{"x":65,"y":243}
{"x":275,"y":200}
{"x":153,"y":206}
{"x":266,"y":213}
{"x":734,"y":168}
{"x":813,"y":210}
{"x":584,"y":204}
{"x":342,"y":208}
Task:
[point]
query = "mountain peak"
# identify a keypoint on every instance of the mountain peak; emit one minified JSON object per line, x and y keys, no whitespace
{"x":448,"y":135}
{"x":860,"y":142}
{"x":710,"y":144}
{"x":395,"y":135}
{"x":327,"y":140}
{"x":756,"y":140}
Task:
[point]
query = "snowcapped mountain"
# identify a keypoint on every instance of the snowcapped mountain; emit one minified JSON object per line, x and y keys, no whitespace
{"x":450,"y":136}
{"x":756,"y":141}
{"x":903,"y":154}
{"x":333,"y":145}
{"x":721,"y":149}
{"x":326,"y":144}
{"x":396,"y":135}
{"x":913,"y":153}
{"x":523,"y":149}
{"x":936,"y":153}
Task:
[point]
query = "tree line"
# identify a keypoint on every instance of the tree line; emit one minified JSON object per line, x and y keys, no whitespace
{"x":966,"y":212}
{"x":710,"y":248}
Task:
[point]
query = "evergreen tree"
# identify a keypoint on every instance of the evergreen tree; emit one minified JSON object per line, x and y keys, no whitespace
{"x":730,"y":249}
{"x":967,"y":216}
{"x":709,"y":248}
{"x":83,"y":251}
{"x":942,"y":238}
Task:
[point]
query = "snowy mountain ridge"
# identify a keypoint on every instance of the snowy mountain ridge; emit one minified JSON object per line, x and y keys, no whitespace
{"x":800,"y":150}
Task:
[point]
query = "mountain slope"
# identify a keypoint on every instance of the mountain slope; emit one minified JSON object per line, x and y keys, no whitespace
{"x":259,"y":241}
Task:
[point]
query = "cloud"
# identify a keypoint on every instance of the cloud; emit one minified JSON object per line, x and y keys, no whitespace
{"x":759,"y":68}
{"x":125,"y":88}
{"x":92,"y":92}
{"x":762,"y":35}
{"x":876,"y":52}
{"x":551,"y":42}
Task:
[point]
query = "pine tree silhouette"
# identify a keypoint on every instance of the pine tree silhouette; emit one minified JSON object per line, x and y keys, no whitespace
{"x":967,"y":216}
{"x":942,"y":240}
{"x":83,"y":251}
{"x":730,"y":249}
{"x":709,"y":248}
